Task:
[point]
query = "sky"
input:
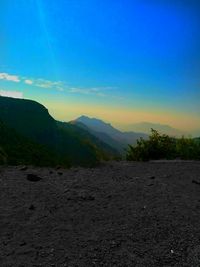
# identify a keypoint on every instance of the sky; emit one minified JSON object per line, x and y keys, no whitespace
{"x":123,"y":61}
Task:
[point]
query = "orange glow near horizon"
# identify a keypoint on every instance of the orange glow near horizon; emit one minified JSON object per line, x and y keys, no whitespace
{"x":122,"y":118}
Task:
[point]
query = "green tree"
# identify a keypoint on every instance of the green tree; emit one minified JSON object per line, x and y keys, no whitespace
{"x":188,"y":148}
{"x":162,"y":146}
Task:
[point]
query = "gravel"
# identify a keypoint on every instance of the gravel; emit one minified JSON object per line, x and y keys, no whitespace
{"x":119,"y":214}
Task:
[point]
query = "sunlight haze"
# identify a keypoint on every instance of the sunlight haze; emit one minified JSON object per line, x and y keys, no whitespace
{"x":121,"y":61}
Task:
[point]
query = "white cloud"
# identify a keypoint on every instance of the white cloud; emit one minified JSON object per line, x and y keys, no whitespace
{"x":36,"y":82}
{"x":44,"y":83}
{"x":60,"y":86}
{"x":61,"y":89}
{"x":28,"y":82}
{"x":47,"y":83}
{"x":14,"y":94}
{"x":8,"y":77}
{"x":87,"y":91}
{"x":79,"y":90}
{"x":101,"y":94}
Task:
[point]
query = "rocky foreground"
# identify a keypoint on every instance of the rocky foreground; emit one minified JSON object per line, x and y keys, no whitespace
{"x":119,"y":214}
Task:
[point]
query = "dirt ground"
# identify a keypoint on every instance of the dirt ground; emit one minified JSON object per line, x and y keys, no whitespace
{"x":119,"y":214}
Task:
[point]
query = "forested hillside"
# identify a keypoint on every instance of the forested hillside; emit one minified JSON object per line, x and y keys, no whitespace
{"x":35,"y":128}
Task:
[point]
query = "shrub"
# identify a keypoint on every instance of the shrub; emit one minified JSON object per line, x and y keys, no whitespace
{"x":188,"y":148}
{"x":162,"y":146}
{"x":3,"y":157}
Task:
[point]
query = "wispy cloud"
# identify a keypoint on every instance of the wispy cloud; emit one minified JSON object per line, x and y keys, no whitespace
{"x":43,"y":83}
{"x":8,"y":77}
{"x":14,"y":94}
{"x":47,"y":83}
{"x":60,"y":86}
{"x":87,"y":91}
{"x":28,"y":81}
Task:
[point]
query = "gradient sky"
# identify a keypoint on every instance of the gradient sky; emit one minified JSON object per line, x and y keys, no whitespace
{"x":119,"y":60}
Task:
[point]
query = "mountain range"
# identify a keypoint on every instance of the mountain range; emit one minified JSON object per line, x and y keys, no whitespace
{"x":26,"y":126}
{"x":30,"y":135}
{"x":146,"y":127}
{"x":108,"y":134}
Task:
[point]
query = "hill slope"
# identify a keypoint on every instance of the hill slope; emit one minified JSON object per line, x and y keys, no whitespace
{"x":83,"y":133}
{"x":32,"y":120}
{"x":104,"y":137}
{"x":108,"y":134}
{"x":16,"y":149}
{"x":28,"y":118}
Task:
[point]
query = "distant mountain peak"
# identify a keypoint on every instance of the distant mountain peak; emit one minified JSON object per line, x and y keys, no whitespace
{"x":147,"y":126}
{"x":84,"y":117}
{"x":31,"y":120}
{"x":107,"y":133}
{"x":97,"y":124}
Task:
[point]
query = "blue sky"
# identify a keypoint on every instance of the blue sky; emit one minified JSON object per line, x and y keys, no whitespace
{"x":97,"y":57}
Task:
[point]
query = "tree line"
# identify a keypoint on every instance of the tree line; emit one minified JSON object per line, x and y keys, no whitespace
{"x":162,"y":146}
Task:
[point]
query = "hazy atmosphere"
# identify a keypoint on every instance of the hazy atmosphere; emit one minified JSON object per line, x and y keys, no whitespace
{"x":100,"y":133}
{"x":121,"y":61}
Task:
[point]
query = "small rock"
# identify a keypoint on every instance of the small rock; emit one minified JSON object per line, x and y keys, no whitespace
{"x":33,"y":178}
{"x":85,"y":196}
{"x":58,"y":168}
{"x":22,"y":244}
{"x":32,"y":207}
{"x":195,"y":182}
{"x":24,"y":168}
{"x":60,"y":173}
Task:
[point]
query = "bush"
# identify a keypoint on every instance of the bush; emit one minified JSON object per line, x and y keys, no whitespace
{"x":3,"y":157}
{"x":188,"y":148}
{"x":162,"y":146}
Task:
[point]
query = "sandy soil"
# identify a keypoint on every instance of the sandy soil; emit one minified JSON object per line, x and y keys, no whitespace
{"x":120,"y":214}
